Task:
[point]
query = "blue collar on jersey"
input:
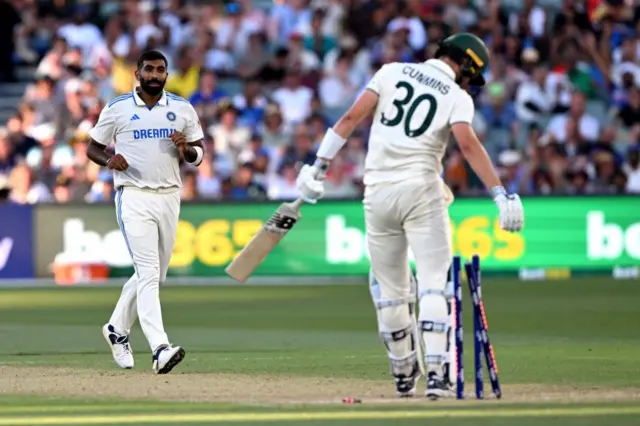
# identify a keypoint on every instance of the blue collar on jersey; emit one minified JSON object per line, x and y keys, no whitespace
{"x":164,"y":101}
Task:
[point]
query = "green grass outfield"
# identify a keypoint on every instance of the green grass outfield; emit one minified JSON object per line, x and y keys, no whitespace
{"x":567,"y":353}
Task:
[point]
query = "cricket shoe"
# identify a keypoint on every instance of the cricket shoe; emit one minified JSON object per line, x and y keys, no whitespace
{"x":437,"y":387}
{"x":166,"y":357}
{"x":406,"y":385}
{"x":120,"y":346}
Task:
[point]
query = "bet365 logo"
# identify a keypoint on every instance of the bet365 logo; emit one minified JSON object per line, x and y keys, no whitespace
{"x":610,"y":240}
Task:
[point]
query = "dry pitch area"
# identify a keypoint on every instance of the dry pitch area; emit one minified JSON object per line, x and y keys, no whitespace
{"x":258,"y":389}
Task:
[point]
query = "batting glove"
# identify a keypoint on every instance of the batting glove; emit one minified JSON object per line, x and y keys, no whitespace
{"x":511,"y":210}
{"x":310,"y":183}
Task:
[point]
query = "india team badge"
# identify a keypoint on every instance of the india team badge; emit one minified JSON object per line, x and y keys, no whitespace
{"x":171,"y":116}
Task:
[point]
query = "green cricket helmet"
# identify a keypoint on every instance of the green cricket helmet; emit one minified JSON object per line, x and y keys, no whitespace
{"x":470,"y":52}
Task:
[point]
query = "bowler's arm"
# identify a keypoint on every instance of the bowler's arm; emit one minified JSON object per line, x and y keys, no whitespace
{"x":97,"y":153}
{"x":102,"y":134}
{"x":195,"y":136}
{"x":194,"y":152}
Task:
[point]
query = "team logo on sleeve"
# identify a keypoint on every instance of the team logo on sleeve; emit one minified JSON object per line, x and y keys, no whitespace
{"x":171,"y":116}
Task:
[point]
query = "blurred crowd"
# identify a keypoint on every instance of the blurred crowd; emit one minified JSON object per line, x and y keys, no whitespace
{"x":560,"y":113}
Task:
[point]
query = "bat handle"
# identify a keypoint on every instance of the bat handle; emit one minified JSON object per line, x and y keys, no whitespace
{"x":297,"y":203}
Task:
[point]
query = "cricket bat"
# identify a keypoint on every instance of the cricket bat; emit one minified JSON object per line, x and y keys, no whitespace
{"x":274,"y":230}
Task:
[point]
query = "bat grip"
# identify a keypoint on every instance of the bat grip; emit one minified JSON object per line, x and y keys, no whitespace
{"x":297,"y":203}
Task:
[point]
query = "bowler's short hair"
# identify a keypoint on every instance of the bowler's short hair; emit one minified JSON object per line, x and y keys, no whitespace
{"x":151,"y":55}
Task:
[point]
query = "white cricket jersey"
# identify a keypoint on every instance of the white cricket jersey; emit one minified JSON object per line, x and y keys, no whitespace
{"x":141,"y":136}
{"x":411,"y":127}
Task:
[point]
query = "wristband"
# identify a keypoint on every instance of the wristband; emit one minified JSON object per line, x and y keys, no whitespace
{"x":199,"y":155}
{"x":498,"y":190}
{"x":331,"y":144}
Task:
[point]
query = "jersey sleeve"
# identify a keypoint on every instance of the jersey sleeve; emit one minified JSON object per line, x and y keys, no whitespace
{"x":463,"y":110}
{"x":375,"y":84}
{"x":105,"y":129}
{"x":193,"y":130}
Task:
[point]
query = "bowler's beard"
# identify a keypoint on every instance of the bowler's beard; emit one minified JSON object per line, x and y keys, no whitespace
{"x":146,"y":86}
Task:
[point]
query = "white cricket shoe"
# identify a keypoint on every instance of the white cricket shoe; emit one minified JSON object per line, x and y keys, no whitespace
{"x":166,"y":357}
{"x":120,"y":346}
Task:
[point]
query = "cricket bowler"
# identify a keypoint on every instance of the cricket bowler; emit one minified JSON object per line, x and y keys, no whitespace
{"x":416,"y":107}
{"x":152,"y":130}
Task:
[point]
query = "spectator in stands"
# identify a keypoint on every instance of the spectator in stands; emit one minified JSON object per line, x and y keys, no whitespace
{"x":273,"y":73}
{"x":43,"y":102}
{"x":302,"y":150}
{"x":283,"y":185}
{"x":294,"y":98}
{"x":185,"y":79}
{"x":217,"y":58}
{"x":7,"y":154}
{"x":605,"y":173}
{"x":251,"y":103}
{"x":588,"y":127}
{"x":272,"y":130}
{"x":340,"y":182}
{"x":295,"y":71}
{"x":208,"y":182}
{"x":317,"y":126}
{"x":300,"y":56}
{"x":339,"y":89}
{"x":9,"y":20}
{"x":51,"y":64}
{"x":80,"y":32}
{"x":24,"y":189}
{"x":242,"y":185}
{"x":629,"y":114}
{"x":456,"y":174}
{"x":230,"y":138}
{"x":16,"y":134}
{"x":498,"y":112}
{"x":533,"y":103}
{"x":102,"y":190}
{"x":394,"y":46}
{"x":205,"y":97}
{"x":627,"y":62}
{"x":256,"y":57}
{"x":189,"y":186}
{"x":62,"y":190}
{"x":415,"y":33}
{"x":317,"y":41}
{"x":286,"y":18}
{"x":360,"y":59}
{"x":5,"y":190}
{"x":632,"y":169}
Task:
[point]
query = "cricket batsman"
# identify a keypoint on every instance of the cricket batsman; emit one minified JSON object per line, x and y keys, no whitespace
{"x":152,"y":130}
{"x":416,"y":107}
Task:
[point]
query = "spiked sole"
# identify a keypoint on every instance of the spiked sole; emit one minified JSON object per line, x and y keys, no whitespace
{"x":175,"y":360}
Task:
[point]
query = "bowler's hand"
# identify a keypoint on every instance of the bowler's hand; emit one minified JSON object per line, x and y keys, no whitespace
{"x":511,"y":211}
{"x":180,"y":141}
{"x":117,"y":162}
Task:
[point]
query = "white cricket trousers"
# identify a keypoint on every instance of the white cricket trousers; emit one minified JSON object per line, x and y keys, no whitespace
{"x":412,"y":213}
{"x":148,"y":220}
